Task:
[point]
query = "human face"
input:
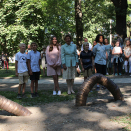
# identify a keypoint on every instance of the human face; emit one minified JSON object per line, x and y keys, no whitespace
{"x":87,"y":47}
{"x":106,"y":41}
{"x":34,"y":47}
{"x":85,"y":40}
{"x":127,"y":42}
{"x":67,"y":40}
{"x":101,"y":39}
{"x":44,"y":49}
{"x":22,"y":48}
{"x":54,"y":41}
{"x":117,"y":43}
{"x":94,"y":43}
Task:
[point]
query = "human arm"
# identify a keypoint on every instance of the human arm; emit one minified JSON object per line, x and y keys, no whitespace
{"x":76,"y":56}
{"x":58,"y":63}
{"x":82,"y":65}
{"x":63,"y":57}
{"x":49,"y":61}
{"x":28,"y":63}
{"x":106,"y":55}
{"x":16,"y":68}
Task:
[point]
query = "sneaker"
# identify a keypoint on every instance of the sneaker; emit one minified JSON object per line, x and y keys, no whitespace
{"x":54,"y":92}
{"x":107,"y":74}
{"x":59,"y":92}
{"x":19,"y":96}
{"x":36,"y":94}
{"x":32,"y":95}
{"x":120,"y":74}
{"x":116,"y":74}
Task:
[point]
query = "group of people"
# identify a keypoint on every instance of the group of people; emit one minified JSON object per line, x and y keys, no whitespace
{"x":56,"y":58}
{"x":4,"y":59}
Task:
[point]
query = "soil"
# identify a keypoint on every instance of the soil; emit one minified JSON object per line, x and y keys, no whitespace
{"x":65,"y":116}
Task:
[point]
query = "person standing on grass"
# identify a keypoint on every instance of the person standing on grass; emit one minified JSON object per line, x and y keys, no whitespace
{"x":53,"y":57}
{"x":43,"y":59}
{"x":108,"y":49}
{"x":69,"y":60}
{"x":86,"y":59}
{"x":117,"y":60}
{"x":101,"y":56}
{"x":34,"y":61}
{"x":21,"y":69}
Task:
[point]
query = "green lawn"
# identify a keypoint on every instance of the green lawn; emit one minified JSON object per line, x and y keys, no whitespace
{"x":45,"y":96}
{"x":124,"y":120}
{"x":11,"y":71}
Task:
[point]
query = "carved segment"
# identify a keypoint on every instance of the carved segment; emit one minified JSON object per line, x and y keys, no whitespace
{"x":85,"y":88}
{"x":13,"y":107}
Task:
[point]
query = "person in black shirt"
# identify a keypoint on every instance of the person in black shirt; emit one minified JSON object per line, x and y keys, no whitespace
{"x":86,"y":57}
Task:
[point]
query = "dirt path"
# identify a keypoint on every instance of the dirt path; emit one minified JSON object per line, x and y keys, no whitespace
{"x":64,"y":116}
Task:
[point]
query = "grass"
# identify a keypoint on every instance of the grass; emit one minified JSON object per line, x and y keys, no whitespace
{"x":11,"y":72}
{"x":45,"y":96}
{"x":125,"y":121}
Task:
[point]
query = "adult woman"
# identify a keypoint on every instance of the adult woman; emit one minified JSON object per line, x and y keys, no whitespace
{"x":70,"y":62}
{"x":43,"y":59}
{"x":54,"y":63}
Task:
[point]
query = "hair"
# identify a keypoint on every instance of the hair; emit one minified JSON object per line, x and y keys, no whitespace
{"x":84,"y":44}
{"x":21,"y":44}
{"x":116,"y":42}
{"x":98,"y":36}
{"x":125,"y":40}
{"x":51,"y":44}
{"x":68,"y":35}
{"x":34,"y":43}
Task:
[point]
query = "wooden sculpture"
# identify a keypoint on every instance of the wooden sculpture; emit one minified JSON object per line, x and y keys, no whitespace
{"x":13,"y":107}
{"x":85,"y":88}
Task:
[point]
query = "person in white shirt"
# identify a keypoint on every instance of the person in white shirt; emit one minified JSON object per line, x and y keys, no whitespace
{"x":90,"y":46}
{"x":21,"y":69}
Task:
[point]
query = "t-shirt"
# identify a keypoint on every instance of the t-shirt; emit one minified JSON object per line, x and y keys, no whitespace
{"x":22,"y":59}
{"x":34,"y":58}
{"x":86,"y":59}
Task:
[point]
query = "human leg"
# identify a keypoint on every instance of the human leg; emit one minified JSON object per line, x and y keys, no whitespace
{"x":125,"y":65}
{"x":72,"y":83}
{"x":69,"y":86}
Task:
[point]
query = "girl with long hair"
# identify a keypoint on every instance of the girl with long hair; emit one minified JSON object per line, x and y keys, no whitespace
{"x":53,"y":57}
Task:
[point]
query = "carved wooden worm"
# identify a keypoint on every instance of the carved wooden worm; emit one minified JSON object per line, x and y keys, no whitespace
{"x":13,"y":107}
{"x":85,"y":88}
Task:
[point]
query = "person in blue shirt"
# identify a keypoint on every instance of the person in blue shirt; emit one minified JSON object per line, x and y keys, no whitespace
{"x":69,"y":60}
{"x":101,"y":56}
{"x":34,"y":60}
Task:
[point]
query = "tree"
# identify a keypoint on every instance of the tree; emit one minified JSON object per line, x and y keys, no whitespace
{"x":121,"y":12}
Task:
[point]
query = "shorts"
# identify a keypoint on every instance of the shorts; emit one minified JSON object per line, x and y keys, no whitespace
{"x":35,"y":76}
{"x":100,"y":69}
{"x":23,"y":77}
{"x":87,"y":72}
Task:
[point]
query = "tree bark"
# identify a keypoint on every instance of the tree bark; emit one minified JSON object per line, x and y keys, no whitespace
{"x":79,"y":24}
{"x":121,"y":12}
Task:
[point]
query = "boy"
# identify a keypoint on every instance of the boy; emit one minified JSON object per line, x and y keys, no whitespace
{"x":21,"y":69}
{"x":86,"y":57}
{"x":34,"y":60}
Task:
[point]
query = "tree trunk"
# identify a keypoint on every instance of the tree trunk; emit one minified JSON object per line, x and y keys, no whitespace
{"x":79,"y":24}
{"x":121,"y":12}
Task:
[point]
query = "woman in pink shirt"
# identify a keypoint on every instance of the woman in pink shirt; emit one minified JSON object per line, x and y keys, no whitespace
{"x":53,"y":57}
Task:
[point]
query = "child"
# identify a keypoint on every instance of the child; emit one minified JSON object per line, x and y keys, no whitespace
{"x":86,"y":57}
{"x":127,"y":53}
{"x":100,"y":56}
{"x":34,"y":60}
{"x":21,"y":69}
{"x":117,"y":51}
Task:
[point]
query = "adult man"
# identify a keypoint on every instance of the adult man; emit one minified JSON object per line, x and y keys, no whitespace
{"x":90,"y":46}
